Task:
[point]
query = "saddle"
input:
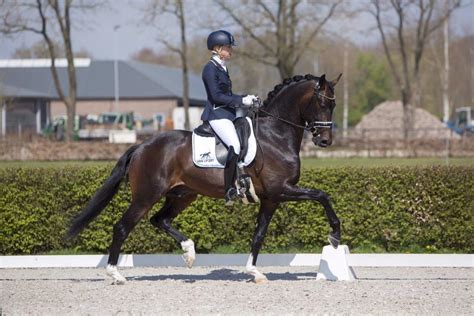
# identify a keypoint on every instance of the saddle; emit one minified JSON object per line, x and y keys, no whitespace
{"x":210,"y":152}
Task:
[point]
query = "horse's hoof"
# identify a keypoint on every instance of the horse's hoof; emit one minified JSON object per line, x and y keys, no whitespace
{"x":188,"y":260}
{"x":118,"y":279}
{"x":119,"y":282}
{"x":189,"y":254}
{"x":333,"y":241}
{"x":261,"y":280}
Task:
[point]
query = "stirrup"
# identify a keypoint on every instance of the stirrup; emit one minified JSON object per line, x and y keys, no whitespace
{"x":231,"y":196}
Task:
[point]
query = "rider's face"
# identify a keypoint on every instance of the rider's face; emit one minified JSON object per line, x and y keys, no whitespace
{"x":225,"y":52}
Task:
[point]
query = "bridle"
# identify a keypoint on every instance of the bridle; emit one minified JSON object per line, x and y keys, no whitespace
{"x":313,"y":126}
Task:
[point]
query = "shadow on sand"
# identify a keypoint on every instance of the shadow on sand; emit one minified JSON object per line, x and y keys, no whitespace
{"x":224,"y":275}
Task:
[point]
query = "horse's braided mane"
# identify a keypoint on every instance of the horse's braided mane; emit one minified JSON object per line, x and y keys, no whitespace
{"x":286,"y":82}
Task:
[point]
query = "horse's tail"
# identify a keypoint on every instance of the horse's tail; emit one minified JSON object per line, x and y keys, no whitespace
{"x":103,"y":196}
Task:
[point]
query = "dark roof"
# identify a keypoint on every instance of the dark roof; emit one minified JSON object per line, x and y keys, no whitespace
{"x":18,"y":92}
{"x":136,"y":81}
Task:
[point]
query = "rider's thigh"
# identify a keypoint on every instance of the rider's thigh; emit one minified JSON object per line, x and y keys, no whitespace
{"x":225,"y":129}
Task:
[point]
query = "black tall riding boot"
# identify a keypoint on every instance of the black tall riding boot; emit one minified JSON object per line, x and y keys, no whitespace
{"x":231,"y":193}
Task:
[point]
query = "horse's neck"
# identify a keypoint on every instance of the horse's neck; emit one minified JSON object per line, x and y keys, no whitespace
{"x":283,"y":127}
{"x":281,"y":135}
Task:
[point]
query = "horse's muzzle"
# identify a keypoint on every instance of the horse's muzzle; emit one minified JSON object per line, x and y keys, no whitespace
{"x":322,"y":141}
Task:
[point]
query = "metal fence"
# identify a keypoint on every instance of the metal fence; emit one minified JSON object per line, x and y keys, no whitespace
{"x":424,"y":142}
{"x":358,"y":143}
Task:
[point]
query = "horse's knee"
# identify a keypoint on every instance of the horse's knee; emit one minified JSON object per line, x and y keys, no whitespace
{"x":159,"y":222}
{"x":323,"y":198}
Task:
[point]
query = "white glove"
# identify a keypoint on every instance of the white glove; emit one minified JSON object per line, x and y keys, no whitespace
{"x":248,"y":100}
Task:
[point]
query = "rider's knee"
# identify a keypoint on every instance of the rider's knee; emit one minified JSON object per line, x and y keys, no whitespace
{"x":236,"y":149}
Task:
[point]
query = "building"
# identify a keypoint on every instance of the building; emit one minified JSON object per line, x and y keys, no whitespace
{"x":29,"y":100}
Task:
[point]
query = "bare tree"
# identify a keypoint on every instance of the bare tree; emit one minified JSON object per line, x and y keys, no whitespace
{"x":283,"y":30}
{"x":415,"y":21}
{"x":44,"y":17}
{"x":160,"y":8}
{"x":148,"y":55}
{"x":40,"y":50}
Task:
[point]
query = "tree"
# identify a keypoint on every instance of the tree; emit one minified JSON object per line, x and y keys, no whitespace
{"x":40,"y":50}
{"x":415,"y":21}
{"x":44,"y":17}
{"x":157,"y":9}
{"x":372,"y":85}
{"x":148,"y":55}
{"x":282,"y":30}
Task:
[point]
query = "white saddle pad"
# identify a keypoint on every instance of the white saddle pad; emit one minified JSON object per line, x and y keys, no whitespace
{"x":204,"y":150}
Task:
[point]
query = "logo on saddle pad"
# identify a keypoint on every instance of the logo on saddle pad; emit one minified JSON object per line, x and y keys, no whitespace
{"x":206,"y":157}
{"x":210,"y":152}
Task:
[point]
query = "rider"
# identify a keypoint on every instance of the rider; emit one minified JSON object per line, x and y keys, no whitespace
{"x":222,"y":103}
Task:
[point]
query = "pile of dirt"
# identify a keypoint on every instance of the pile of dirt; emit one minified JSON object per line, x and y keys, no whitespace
{"x":385,"y":121}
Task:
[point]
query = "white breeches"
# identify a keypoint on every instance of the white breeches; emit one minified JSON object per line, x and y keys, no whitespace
{"x":225,"y":129}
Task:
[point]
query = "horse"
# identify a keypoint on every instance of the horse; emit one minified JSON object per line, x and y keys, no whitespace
{"x":162,"y":167}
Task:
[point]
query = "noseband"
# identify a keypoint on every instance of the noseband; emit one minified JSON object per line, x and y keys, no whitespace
{"x":313,"y":126}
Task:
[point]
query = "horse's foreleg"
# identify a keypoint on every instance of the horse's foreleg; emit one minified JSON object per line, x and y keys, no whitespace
{"x":293,"y":193}
{"x":172,"y":207}
{"x":121,"y":231}
{"x":267,"y":209}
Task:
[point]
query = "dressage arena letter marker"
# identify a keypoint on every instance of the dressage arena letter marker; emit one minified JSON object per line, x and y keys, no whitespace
{"x":334,"y":265}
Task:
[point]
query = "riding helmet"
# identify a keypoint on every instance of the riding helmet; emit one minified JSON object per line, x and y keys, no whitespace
{"x":220,"y":38}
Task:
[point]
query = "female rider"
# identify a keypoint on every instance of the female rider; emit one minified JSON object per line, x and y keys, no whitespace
{"x":221,"y":104}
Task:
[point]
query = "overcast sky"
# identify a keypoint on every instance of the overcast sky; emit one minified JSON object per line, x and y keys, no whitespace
{"x":96,"y":33}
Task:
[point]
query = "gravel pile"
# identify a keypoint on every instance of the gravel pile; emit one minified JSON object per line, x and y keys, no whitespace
{"x":385,"y":121}
{"x":217,"y":290}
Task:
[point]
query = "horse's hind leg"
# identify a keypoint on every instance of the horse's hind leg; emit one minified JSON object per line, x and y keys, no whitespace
{"x":176,"y":201}
{"x":122,"y":229}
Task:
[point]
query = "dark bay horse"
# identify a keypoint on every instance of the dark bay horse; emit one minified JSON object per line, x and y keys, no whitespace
{"x":162,"y":167}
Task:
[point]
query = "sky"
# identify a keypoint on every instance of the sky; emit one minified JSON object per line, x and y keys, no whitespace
{"x":95,"y":33}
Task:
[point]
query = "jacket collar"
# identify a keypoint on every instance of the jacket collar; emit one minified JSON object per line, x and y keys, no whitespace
{"x":218,"y":65}
{"x":219,"y":60}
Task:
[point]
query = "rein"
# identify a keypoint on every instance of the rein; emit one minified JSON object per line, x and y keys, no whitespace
{"x":309,"y":126}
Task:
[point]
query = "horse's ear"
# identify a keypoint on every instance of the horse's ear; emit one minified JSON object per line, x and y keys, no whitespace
{"x":322,"y":81}
{"x":335,"y":81}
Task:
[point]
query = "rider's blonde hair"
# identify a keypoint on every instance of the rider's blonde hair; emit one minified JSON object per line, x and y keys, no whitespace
{"x":216,"y":50}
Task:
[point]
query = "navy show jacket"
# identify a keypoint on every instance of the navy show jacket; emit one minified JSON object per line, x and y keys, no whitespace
{"x":221,"y":102}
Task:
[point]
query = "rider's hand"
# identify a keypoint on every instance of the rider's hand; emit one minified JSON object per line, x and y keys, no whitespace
{"x":257,"y":102}
{"x":248,"y":100}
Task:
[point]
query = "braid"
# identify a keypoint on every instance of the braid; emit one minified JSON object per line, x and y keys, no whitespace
{"x":286,"y":82}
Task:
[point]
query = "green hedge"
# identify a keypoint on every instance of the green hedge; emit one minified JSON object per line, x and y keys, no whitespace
{"x":382,"y":209}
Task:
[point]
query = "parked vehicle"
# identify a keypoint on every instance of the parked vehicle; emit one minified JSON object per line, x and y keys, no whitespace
{"x":100,"y":128}
{"x":462,"y":121}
